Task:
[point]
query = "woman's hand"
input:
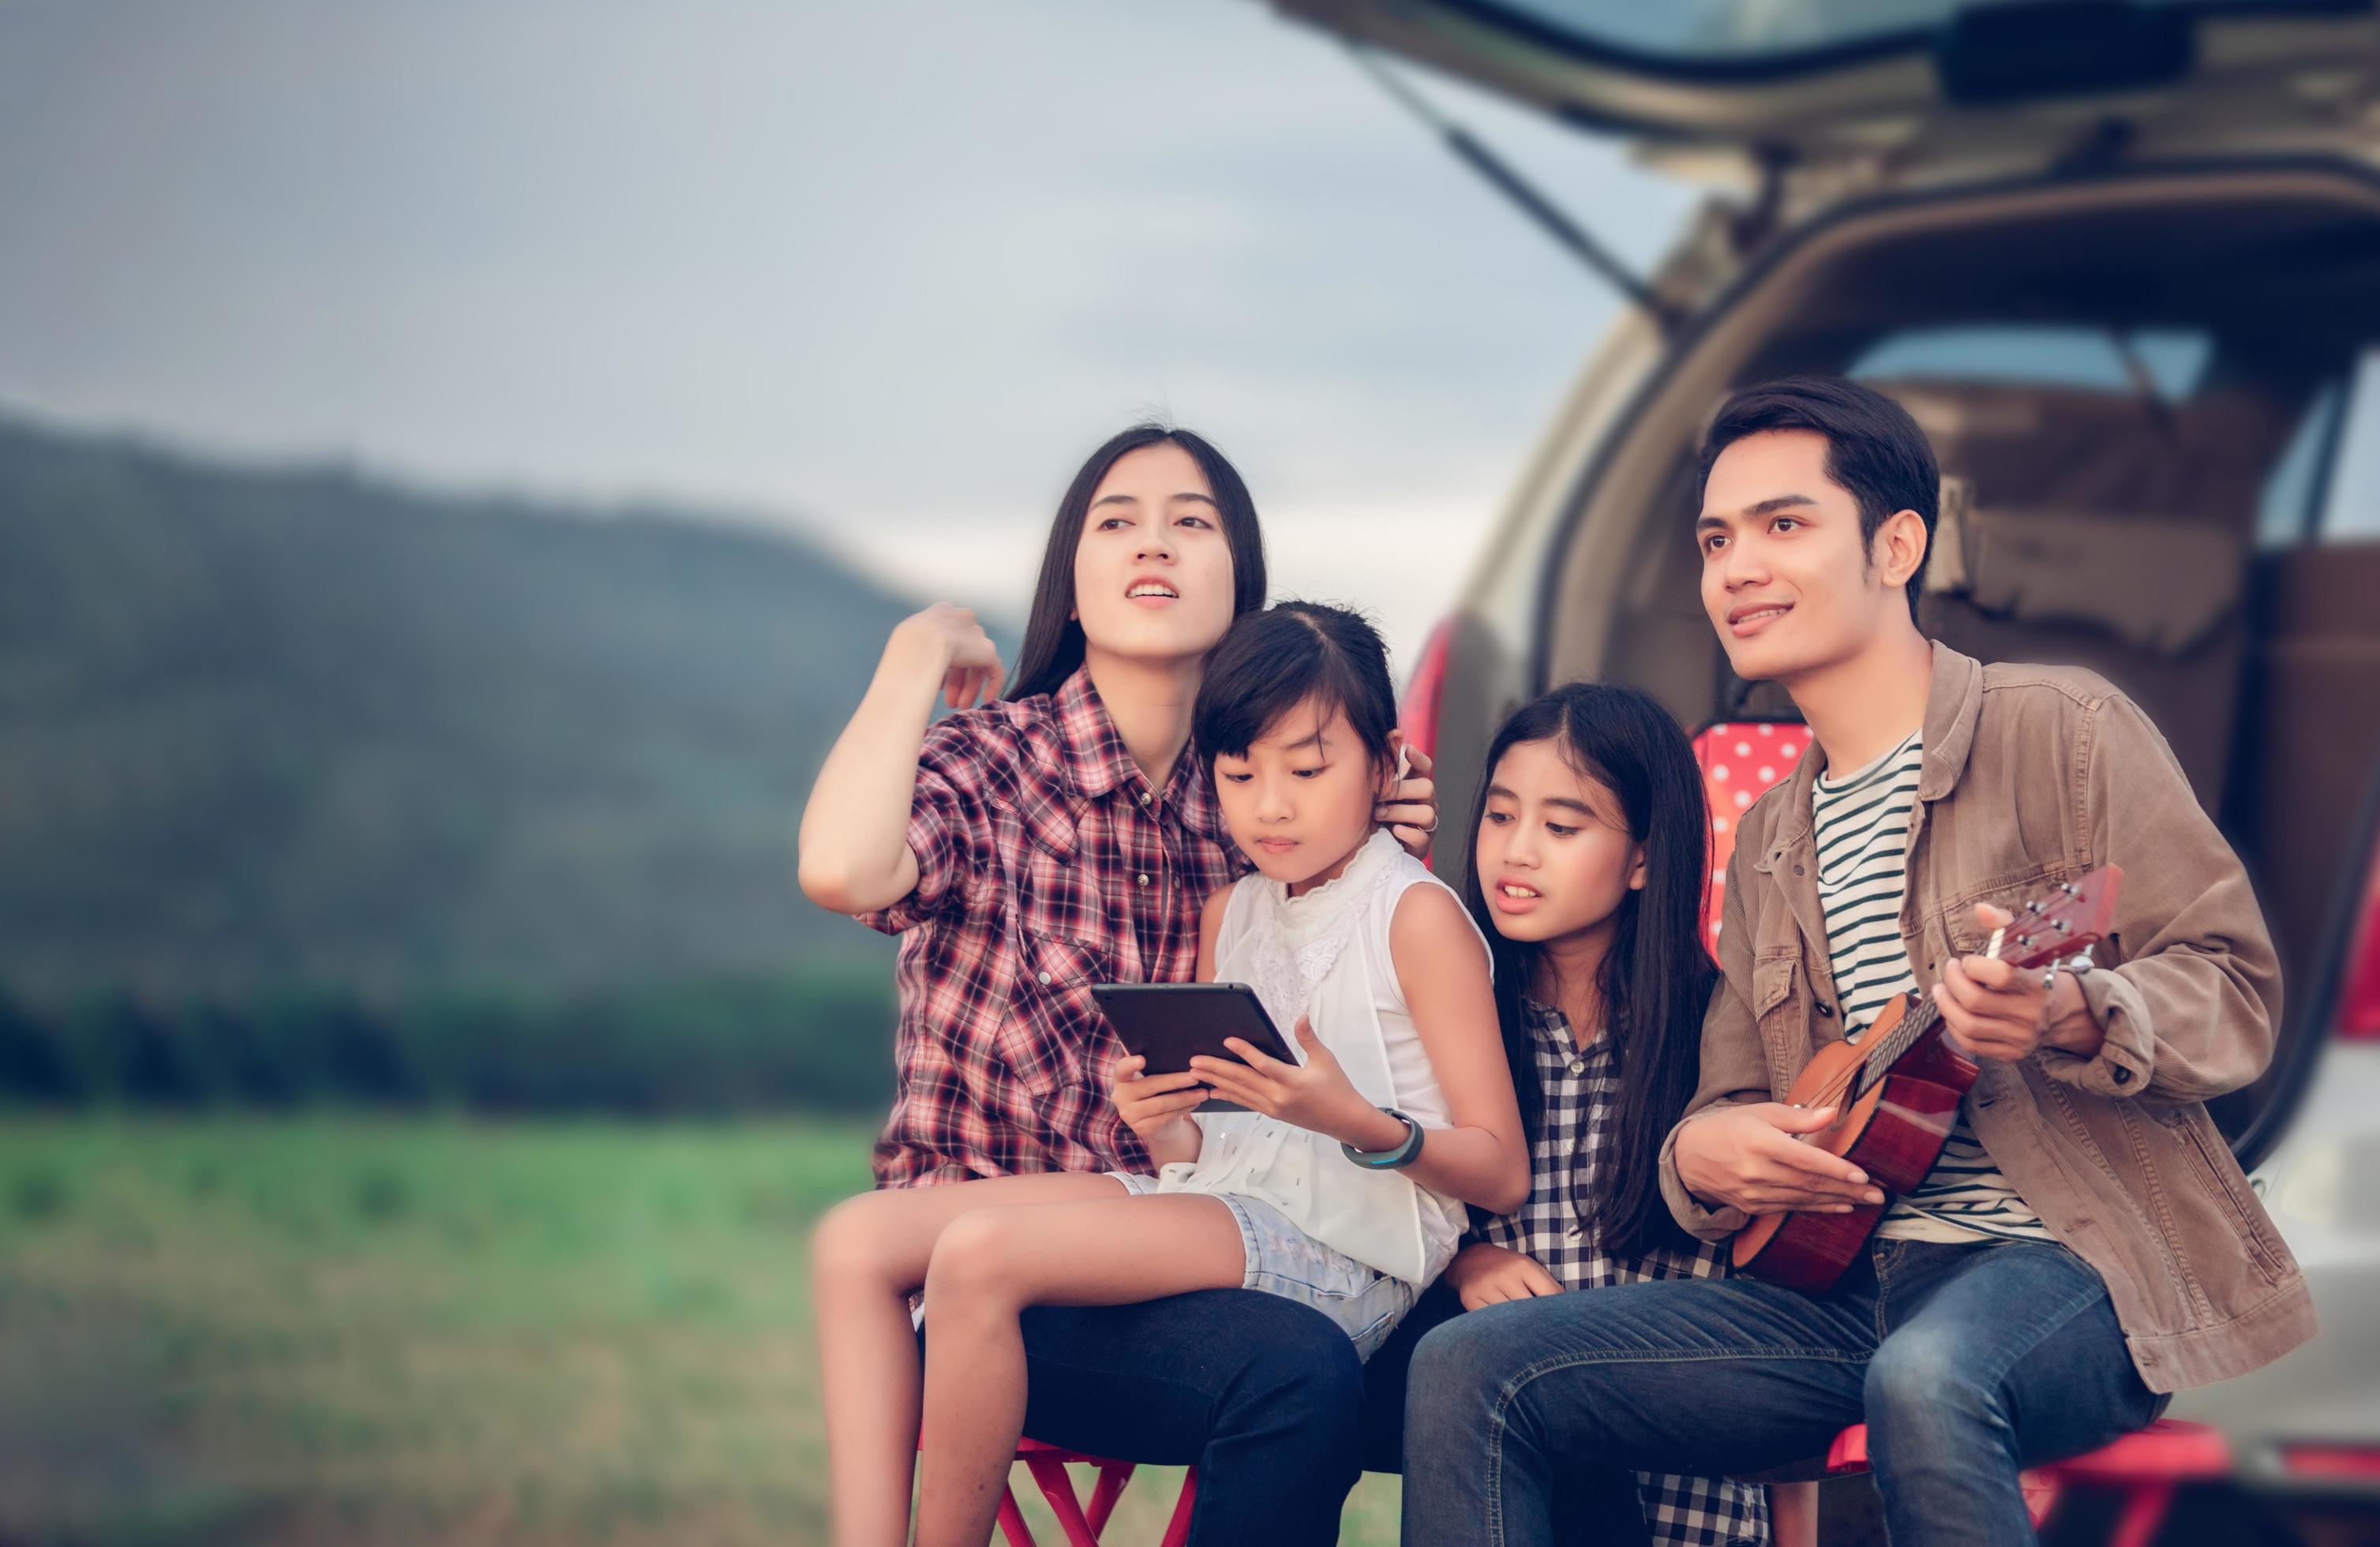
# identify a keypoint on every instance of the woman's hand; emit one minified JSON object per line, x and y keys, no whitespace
{"x":1411,"y":813}
{"x":855,"y":839}
{"x":1316,"y":1096}
{"x":1483,"y":1274}
{"x":1152,"y":1104}
{"x":954,"y":645}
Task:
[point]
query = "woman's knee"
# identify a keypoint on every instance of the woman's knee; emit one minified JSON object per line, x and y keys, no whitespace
{"x":1300,"y":1369}
{"x":854,"y":1241}
{"x":974,"y":1266}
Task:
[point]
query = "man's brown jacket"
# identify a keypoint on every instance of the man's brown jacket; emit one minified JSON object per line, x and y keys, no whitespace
{"x":2034,"y":775}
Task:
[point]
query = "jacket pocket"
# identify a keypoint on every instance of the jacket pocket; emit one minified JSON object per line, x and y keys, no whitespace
{"x":1955,"y":927}
{"x":1772,"y":981}
{"x":1781,"y":1013}
{"x":1053,"y":1035}
{"x":2210,"y":1161}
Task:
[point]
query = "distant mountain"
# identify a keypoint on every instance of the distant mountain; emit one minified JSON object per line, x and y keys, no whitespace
{"x":272,"y":727}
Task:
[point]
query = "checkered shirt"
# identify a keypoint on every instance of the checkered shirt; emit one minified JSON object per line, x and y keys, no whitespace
{"x":1044,"y":865}
{"x":1581,"y":1086}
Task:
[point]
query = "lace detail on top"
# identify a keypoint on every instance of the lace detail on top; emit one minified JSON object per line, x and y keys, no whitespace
{"x":1293,"y":942}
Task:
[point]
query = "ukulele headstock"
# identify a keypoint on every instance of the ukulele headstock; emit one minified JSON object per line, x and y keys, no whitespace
{"x":2063,"y":921}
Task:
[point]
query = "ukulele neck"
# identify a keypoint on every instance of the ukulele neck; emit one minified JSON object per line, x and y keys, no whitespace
{"x":1920,"y":1023}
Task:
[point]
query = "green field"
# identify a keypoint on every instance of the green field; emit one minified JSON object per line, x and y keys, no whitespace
{"x":393,"y":1331}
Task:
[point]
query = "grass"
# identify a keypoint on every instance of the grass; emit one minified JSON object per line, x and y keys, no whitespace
{"x":402,"y":1331}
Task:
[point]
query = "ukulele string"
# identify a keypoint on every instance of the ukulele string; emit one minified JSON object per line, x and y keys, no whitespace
{"x":1852,"y":1081}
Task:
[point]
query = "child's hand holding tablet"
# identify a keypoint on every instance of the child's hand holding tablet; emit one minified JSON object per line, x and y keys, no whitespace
{"x":1166,"y":1024}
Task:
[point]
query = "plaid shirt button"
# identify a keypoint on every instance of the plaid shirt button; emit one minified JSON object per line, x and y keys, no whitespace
{"x":1030,"y":824}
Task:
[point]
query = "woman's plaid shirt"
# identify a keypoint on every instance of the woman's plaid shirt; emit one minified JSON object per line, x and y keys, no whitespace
{"x":1581,"y":1086}
{"x":1044,"y":865}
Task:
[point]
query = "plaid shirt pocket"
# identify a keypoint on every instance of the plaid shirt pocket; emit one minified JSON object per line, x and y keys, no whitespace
{"x":1054,"y":1033}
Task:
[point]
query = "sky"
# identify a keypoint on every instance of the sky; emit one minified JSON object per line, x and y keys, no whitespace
{"x":882,"y":272}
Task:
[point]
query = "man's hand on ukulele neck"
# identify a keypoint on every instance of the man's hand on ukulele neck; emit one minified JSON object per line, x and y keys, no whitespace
{"x":1991,"y":1009}
{"x":1750,"y":1157}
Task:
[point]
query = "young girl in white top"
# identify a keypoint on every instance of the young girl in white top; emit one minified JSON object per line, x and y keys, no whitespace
{"x":1343,"y":1183}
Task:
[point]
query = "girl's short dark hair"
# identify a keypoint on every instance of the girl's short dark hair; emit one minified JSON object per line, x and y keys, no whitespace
{"x":1270,"y":662}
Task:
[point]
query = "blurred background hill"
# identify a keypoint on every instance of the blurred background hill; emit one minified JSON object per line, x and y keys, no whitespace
{"x":434,"y":786}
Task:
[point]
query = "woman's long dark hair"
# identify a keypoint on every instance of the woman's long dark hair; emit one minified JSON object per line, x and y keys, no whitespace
{"x":1053,"y":640}
{"x":1657,"y":977}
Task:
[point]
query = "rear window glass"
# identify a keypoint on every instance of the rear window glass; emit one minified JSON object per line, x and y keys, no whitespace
{"x":2350,"y":512}
{"x":2170,"y":361}
{"x":1683,"y":33}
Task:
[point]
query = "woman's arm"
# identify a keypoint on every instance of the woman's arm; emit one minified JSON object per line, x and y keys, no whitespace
{"x":854,"y":845}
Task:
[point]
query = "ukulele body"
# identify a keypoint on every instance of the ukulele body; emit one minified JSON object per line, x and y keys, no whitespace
{"x":1894,"y":1134}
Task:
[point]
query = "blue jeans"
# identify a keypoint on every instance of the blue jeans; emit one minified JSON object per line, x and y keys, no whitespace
{"x":1263,"y":1395}
{"x":1966,"y":1362}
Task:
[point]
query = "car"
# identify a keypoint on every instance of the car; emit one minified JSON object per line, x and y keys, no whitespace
{"x":2122,"y":262}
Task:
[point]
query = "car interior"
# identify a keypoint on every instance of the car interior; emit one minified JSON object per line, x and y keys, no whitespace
{"x":2153,"y":400}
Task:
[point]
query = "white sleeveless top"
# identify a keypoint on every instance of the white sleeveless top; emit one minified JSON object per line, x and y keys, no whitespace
{"x":1326,"y":956}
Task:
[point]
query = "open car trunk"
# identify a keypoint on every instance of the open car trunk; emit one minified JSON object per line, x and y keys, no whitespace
{"x":2140,"y":388}
{"x":1918,"y":84}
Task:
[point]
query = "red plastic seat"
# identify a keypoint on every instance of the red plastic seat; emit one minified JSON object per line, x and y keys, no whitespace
{"x":2144,"y":1467}
{"x":1083,"y":1519}
{"x":1740,"y":760}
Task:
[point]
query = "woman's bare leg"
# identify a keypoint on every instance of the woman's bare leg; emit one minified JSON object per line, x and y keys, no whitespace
{"x":868,"y":1255}
{"x":988,"y":1266}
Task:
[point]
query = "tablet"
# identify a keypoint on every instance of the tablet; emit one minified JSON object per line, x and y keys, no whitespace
{"x":1169,"y":1023}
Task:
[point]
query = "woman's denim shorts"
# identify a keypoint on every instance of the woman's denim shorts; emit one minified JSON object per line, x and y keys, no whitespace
{"x":1283,"y":1260}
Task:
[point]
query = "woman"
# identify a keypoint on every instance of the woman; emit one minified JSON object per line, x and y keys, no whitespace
{"x":1033,"y":846}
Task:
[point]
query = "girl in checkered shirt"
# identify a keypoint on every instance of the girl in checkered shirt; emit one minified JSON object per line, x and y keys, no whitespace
{"x":1343,"y":1183}
{"x":1587,"y":870}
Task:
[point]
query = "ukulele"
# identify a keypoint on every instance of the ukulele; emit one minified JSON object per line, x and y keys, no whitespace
{"x":1898,"y":1088}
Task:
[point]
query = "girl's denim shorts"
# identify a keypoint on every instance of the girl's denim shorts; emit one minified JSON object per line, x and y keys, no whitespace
{"x":1283,"y":1260}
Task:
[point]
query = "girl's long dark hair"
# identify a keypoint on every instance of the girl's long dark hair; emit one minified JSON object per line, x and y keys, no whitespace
{"x":1657,"y":977}
{"x":1053,"y":640}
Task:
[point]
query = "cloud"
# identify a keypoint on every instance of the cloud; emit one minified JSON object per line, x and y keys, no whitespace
{"x":891,"y":268}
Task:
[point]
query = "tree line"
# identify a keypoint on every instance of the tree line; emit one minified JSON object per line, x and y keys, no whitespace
{"x":818,"y":1039}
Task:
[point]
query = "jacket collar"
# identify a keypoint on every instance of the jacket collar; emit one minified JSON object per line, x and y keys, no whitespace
{"x":1954,"y":702}
{"x":1952,"y":707}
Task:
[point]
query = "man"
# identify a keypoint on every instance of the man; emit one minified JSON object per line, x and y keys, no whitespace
{"x":2086,"y":1243}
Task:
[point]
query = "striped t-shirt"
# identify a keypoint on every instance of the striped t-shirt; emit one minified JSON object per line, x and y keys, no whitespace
{"x":1860,"y":826}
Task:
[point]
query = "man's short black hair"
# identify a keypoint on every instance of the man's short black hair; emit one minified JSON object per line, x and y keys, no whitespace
{"x":1873,"y":449}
